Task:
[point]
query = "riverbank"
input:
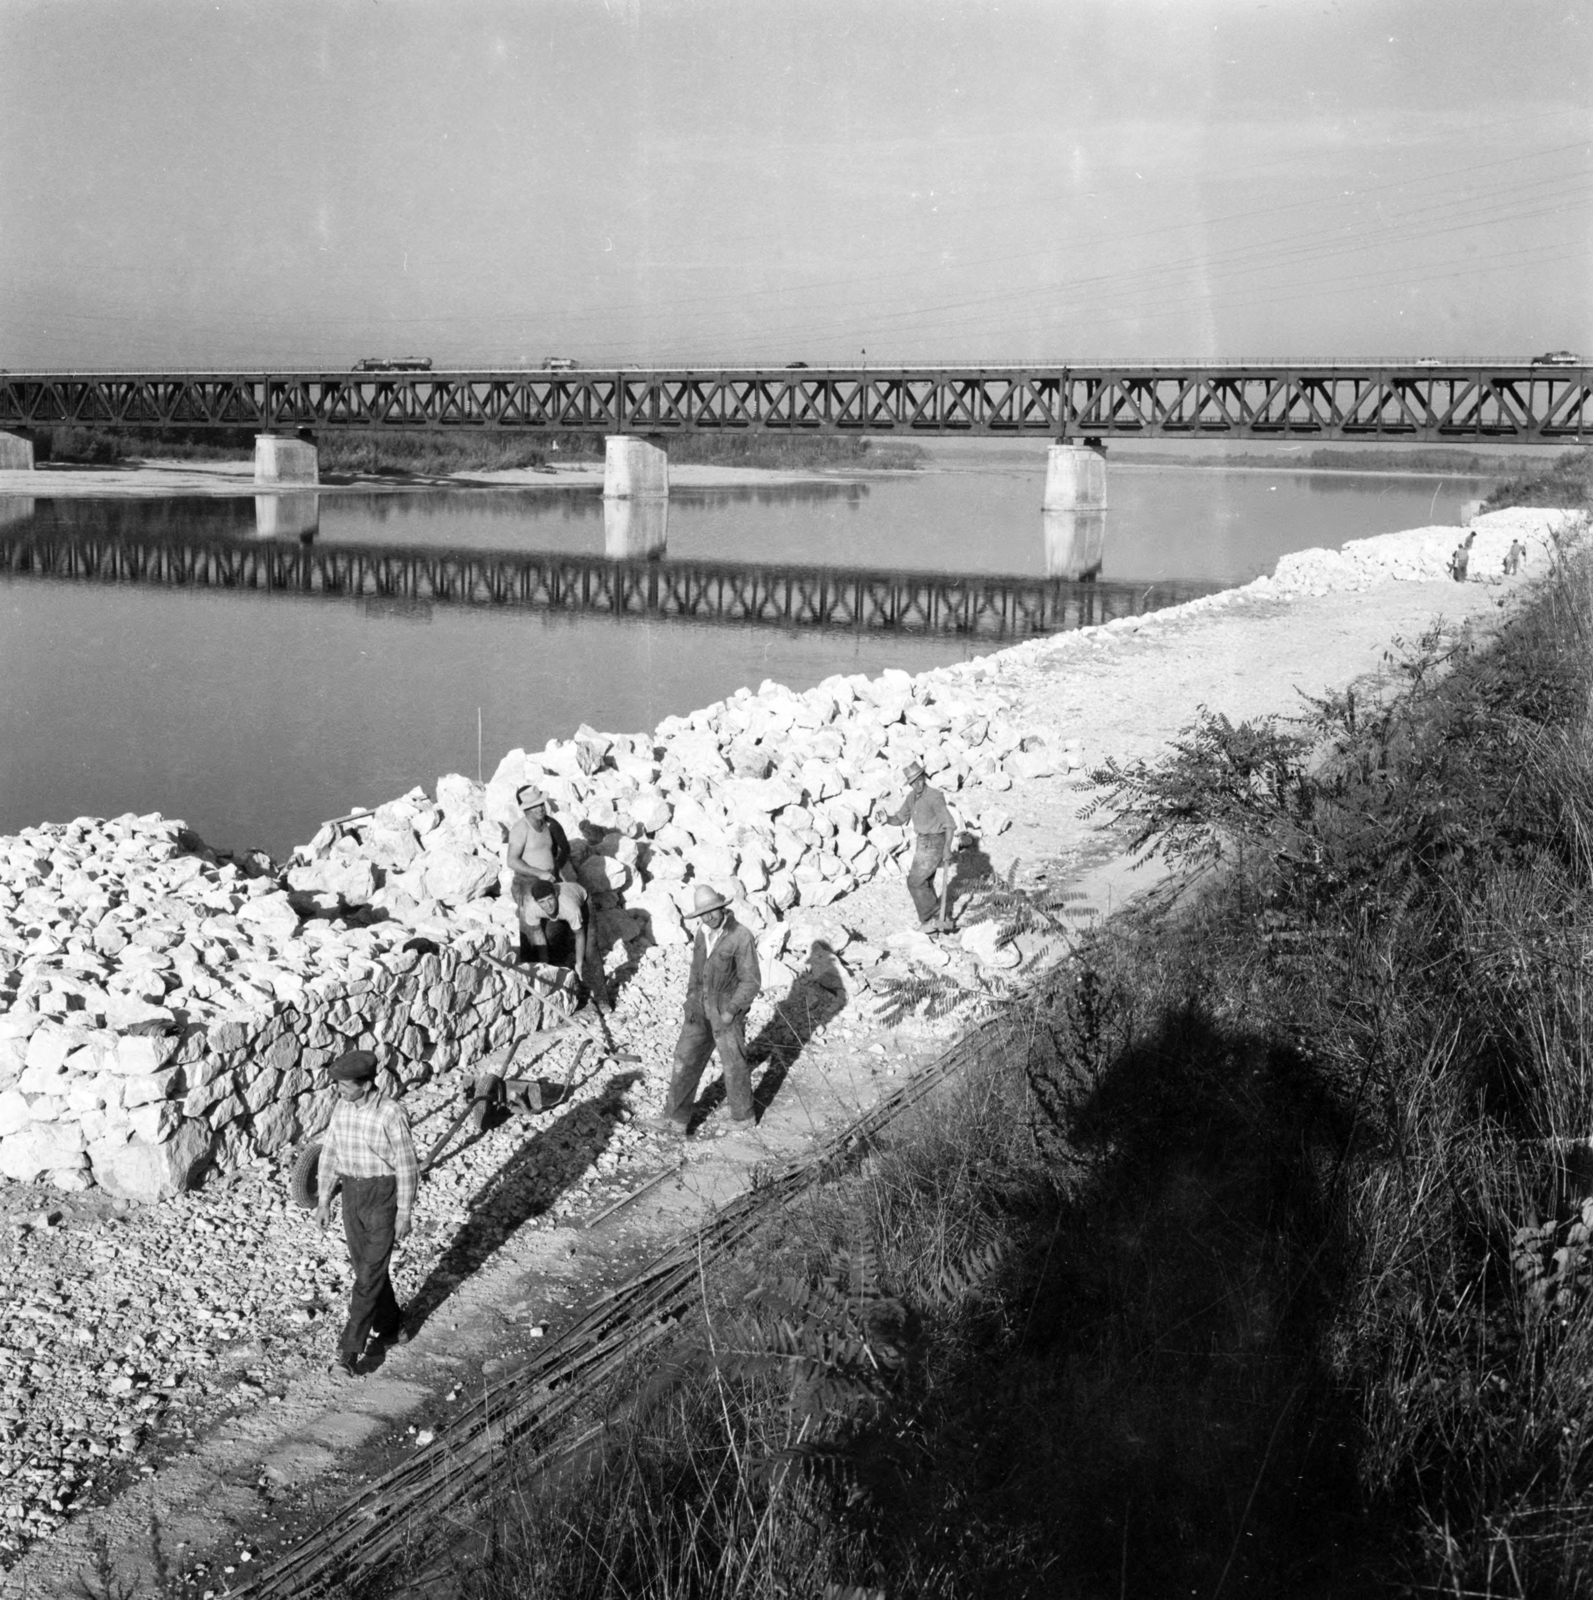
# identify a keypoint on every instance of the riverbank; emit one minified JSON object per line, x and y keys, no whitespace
{"x":438,"y":453}
{"x":505,"y":1210}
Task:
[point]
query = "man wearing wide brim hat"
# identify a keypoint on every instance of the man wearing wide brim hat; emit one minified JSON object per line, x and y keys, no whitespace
{"x":368,"y":1146}
{"x":723,"y":984}
{"x":934,"y":834}
{"x":538,"y":854}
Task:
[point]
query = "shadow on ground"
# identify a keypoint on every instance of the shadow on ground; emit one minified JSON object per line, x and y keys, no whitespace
{"x":525,"y":1186}
{"x":816,"y":996}
{"x":1150,"y":1412}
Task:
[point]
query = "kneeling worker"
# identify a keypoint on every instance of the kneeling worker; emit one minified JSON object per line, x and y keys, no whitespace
{"x":553,"y":925}
{"x":934,"y":834}
{"x":723,"y":984}
{"x":368,"y":1146}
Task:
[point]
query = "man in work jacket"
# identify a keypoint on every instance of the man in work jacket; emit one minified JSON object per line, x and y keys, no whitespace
{"x":934,"y":833}
{"x":367,"y":1145}
{"x":723,"y":984}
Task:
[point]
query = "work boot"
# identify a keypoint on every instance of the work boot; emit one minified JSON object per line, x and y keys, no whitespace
{"x":676,"y":1126}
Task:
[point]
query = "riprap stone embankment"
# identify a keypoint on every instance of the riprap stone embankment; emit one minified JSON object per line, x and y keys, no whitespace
{"x":168,"y":1008}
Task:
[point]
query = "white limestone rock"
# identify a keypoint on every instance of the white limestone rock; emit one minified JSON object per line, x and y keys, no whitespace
{"x":147,"y":1171}
{"x":454,"y":877}
{"x":42,"y":1147}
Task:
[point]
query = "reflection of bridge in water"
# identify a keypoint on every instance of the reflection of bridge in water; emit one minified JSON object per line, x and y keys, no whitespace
{"x":56,"y":543}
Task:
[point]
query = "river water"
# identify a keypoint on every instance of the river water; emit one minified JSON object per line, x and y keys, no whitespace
{"x":256,"y":714}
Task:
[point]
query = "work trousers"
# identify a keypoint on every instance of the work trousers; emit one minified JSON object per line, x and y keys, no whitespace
{"x":928,"y":854}
{"x":370,"y":1215}
{"x":698,"y":1040}
{"x":556,"y":946}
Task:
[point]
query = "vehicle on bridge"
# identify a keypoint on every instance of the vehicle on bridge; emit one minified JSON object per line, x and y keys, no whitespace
{"x":1557,"y":358}
{"x":393,"y":364}
{"x":559,"y":364}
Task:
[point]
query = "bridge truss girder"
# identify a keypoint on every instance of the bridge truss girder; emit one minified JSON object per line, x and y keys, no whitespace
{"x":738,"y":594}
{"x":1502,"y":405}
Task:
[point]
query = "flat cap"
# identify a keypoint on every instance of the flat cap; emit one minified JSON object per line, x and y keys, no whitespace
{"x":358,"y":1066}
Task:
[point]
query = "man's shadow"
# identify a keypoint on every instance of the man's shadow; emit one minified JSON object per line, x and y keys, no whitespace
{"x":525,"y":1186}
{"x":971,"y":870}
{"x":816,"y":996}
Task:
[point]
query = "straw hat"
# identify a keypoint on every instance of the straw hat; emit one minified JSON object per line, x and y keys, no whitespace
{"x":708,"y":899}
{"x":530,"y":796}
{"x":915,"y":772}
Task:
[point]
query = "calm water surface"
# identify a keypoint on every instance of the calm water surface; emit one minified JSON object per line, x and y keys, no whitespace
{"x":254,"y":716}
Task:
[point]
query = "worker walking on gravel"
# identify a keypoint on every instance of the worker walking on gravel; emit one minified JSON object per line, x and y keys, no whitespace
{"x":368,"y":1146}
{"x":723,"y":984}
{"x":934,"y":834}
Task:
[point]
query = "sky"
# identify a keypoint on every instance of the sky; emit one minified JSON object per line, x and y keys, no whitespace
{"x":740,"y":182}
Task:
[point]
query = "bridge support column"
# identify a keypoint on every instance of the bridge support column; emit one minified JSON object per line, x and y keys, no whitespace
{"x":1073,"y":512}
{"x":633,"y":469}
{"x":16,"y":453}
{"x":287,"y":516}
{"x":280,"y":460}
{"x":635,"y":530}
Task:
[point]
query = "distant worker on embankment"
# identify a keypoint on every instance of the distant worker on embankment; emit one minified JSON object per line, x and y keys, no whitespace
{"x":723,"y":984}
{"x":934,"y":835}
{"x":1460,"y":561}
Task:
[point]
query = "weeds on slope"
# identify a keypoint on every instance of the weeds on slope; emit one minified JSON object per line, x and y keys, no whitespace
{"x":1263,"y":1269}
{"x":1567,"y":481}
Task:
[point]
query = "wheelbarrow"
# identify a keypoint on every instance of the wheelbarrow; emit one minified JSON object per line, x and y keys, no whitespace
{"x":528,"y":1097}
{"x":489,"y":1090}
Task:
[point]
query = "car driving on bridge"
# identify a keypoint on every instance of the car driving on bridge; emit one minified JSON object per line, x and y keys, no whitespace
{"x":393,"y":364}
{"x":1557,"y":358}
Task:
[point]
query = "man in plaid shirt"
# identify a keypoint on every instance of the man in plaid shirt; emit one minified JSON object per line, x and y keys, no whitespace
{"x":368,"y":1146}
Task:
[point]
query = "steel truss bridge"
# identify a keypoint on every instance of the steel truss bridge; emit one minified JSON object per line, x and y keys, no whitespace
{"x":407,"y":580}
{"x":1425,"y":402}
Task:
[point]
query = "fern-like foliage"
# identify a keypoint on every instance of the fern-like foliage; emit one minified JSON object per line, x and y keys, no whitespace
{"x":1222,"y":786}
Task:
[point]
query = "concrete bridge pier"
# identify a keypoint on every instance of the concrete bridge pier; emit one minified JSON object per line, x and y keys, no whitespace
{"x":287,"y":516}
{"x":282,"y":460}
{"x":633,"y":469}
{"x":1073,"y":512}
{"x":16,"y":453}
{"x":635,"y":530}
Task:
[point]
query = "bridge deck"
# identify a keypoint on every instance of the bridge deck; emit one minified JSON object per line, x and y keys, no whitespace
{"x":1508,"y":404}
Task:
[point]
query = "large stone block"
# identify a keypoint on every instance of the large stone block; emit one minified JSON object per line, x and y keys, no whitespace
{"x":147,"y":1170}
{"x":276,"y":1127}
{"x":50,"y":1045}
{"x":455,"y":877}
{"x":14,"y":1112}
{"x":40,"y":1148}
{"x":155,"y":1122}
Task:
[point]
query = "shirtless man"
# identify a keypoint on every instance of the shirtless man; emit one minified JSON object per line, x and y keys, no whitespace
{"x":537,"y":846}
{"x":537,"y":853}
